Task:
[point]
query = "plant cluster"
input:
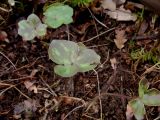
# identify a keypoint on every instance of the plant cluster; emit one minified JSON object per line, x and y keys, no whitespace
{"x":148,"y":97}
{"x":72,"y":58}
{"x":31,"y":28}
{"x":144,"y":55}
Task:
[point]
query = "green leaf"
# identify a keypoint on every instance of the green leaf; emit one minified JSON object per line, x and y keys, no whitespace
{"x":138,"y":108}
{"x":63,"y":51}
{"x":31,"y":28}
{"x":143,"y":87}
{"x":41,"y":30}
{"x":70,"y":54}
{"x":66,"y":70}
{"x":152,"y":97}
{"x":58,"y":14}
{"x":33,"y":20}
{"x":26,"y":30}
{"x":87,"y":60}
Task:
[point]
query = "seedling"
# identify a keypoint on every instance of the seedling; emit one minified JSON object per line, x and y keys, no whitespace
{"x":149,"y":97}
{"x":80,"y":2}
{"x":144,"y":55}
{"x":72,"y":58}
{"x":31,"y":28}
{"x":58,"y":14}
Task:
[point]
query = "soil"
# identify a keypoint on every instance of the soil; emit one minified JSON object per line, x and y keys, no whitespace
{"x":76,"y":98}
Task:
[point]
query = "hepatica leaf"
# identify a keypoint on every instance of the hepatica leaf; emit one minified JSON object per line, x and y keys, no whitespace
{"x":87,"y":60}
{"x":72,"y":58}
{"x":31,"y":27}
{"x":26,"y":30}
{"x":58,"y":14}
{"x":137,"y":108}
{"x":143,"y":87}
{"x":152,"y":97}
{"x":66,"y":70}
{"x":63,"y":51}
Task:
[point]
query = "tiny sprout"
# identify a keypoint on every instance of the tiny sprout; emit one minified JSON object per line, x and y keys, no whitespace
{"x":72,"y":58}
{"x":31,"y":28}
{"x":58,"y":14}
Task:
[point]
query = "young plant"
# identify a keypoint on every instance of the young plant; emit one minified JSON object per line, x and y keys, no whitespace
{"x":31,"y":28}
{"x":149,"y":97}
{"x":82,"y":3}
{"x":58,"y":14}
{"x":72,"y":58}
{"x":144,"y":55}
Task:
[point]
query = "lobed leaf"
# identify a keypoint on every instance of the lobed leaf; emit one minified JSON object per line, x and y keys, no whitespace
{"x":87,"y":60}
{"x":33,"y":20}
{"x":26,"y":30}
{"x":143,"y":87}
{"x":63,"y":51}
{"x":152,"y":97}
{"x":31,"y":28}
{"x":66,"y":70}
{"x":70,"y":54}
{"x":137,"y":108}
{"x":58,"y":14}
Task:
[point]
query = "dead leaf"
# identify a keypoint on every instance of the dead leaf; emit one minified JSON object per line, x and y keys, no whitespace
{"x":120,"y":38}
{"x":122,"y":14}
{"x":113,"y":63}
{"x":30,"y":86}
{"x":3,"y":36}
{"x":26,"y":108}
{"x":111,"y":4}
{"x":108,"y":4}
{"x":129,"y":113}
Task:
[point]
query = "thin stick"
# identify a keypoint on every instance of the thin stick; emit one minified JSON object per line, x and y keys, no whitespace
{"x":3,"y":9}
{"x":99,"y":35}
{"x":97,"y":19}
{"x":53,"y":93}
{"x":76,"y":108}
{"x":8,"y":60}
{"x":99,"y":95}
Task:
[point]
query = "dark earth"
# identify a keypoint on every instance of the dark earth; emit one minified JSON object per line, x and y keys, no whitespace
{"x":75,"y":98}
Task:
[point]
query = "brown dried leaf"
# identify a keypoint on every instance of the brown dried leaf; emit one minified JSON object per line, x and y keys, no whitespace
{"x":3,"y":35}
{"x":113,"y":63}
{"x":129,"y":113}
{"x":30,"y":86}
{"x":121,"y":14}
{"x":120,"y":38}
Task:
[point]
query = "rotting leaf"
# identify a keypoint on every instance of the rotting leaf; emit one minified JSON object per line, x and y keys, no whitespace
{"x":30,"y":86}
{"x":113,"y":63}
{"x":111,"y":4}
{"x":122,"y":14}
{"x":120,"y":38}
{"x":129,"y":112}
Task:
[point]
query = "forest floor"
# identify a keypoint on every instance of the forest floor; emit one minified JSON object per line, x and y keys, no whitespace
{"x":28,"y":81}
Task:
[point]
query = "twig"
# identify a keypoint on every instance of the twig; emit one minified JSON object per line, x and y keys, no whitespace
{"x":97,"y":19}
{"x":99,"y":35}
{"x":12,"y":86}
{"x":3,"y":9}
{"x":8,"y":60}
{"x":76,"y":108}
{"x":53,"y":93}
{"x":99,"y":95}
